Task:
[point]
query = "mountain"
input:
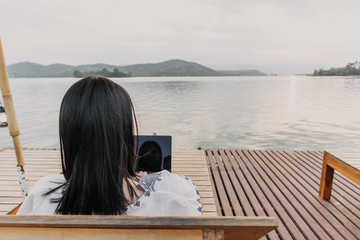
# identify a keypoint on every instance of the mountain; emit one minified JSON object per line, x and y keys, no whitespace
{"x":34,"y":70}
{"x":170,"y":68}
{"x":174,"y":67}
{"x":31,"y":70}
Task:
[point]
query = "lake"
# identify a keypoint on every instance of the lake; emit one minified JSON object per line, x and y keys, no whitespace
{"x":279,"y":113}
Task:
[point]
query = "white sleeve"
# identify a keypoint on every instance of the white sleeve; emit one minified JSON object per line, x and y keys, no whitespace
{"x":186,"y":200}
{"x":36,"y":203}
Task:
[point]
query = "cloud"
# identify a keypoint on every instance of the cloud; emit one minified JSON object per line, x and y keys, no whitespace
{"x":211,"y":32}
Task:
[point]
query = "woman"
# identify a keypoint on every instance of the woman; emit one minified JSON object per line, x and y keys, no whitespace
{"x":97,"y":124}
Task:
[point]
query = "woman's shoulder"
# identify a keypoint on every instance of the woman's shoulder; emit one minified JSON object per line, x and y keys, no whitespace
{"x":38,"y":202}
{"x":54,"y":177}
{"x":47,"y":183}
{"x":51,"y":178}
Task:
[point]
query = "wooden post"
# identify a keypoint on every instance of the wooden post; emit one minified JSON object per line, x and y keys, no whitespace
{"x":12,"y":121}
{"x":326,"y":180}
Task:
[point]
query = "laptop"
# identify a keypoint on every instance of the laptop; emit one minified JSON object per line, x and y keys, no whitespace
{"x":154,"y":153}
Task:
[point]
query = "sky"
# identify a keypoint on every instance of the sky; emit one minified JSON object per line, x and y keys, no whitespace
{"x":275,"y":36}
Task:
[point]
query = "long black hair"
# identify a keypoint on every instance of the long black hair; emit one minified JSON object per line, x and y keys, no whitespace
{"x":97,"y":124}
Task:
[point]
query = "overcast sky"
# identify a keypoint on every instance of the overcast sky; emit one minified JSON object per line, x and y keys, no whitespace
{"x":294,"y":34}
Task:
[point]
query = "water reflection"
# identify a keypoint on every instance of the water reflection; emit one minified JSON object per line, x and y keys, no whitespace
{"x":234,"y":112}
{"x":292,"y":95}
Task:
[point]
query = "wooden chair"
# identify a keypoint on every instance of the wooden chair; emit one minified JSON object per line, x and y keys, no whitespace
{"x":347,"y":163}
{"x":127,"y":227}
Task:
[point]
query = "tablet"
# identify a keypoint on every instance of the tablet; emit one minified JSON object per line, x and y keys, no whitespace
{"x":154,"y":153}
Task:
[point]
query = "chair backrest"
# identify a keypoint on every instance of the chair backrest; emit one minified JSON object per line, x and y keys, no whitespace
{"x":127,"y":227}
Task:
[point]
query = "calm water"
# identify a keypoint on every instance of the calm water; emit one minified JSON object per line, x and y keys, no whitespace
{"x":218,"y":112}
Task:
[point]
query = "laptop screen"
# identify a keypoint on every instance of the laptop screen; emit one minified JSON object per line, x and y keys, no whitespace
{"x":154,"y":153}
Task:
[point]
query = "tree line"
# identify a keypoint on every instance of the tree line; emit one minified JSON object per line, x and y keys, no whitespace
{"x":104,"y":72}
{"x":349,"y":70}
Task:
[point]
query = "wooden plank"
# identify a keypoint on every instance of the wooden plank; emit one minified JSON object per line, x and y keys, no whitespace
{"x":10,"y":200}
{"x":10,"y":194}
{"x":207,"y":200}
{"x":287,"y":228}
{"x":199,"y":165}
{"x":15,"y":178}
{"x":7,"y":207}
{"x":122,"y":234}
{"x":68,"y":233}
{"x":234,"y":201}
{"x":192,"y":173}
{"x":291,"y":198}
{"x":299,"y":230}
{"x":214,"y":191}
{"x":199,"y":178}
{"x":242,"y":186}
{"x":232,"y":227}
{"x":208,"y":208}
{"x":326,"y":180}
{"x":30,"y":174}
{"x":221,"y":193}
{"x":235,"y":184}
{"x":211,"y":214}
{"x":206,"y":194}
{"x":10,"y":183}
{"x":31,"y":169}
{"x":9,"y":188}
{"x":110,"y":221}
{"x":344,"y":168}
{"x":204,"y":188}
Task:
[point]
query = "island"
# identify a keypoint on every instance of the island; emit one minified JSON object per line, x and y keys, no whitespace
{"x":104,"y":72}
{"x":351,"y":69}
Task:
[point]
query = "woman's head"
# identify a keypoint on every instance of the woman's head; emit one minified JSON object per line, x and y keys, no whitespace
{"x":97,"y":124}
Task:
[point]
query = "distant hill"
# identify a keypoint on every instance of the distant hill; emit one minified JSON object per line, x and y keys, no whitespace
{"x":34,"y":70}
{"x":29,"y":70}
{"x":168,"y":68}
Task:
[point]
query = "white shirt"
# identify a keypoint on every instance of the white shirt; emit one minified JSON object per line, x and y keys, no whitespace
{"x":166,"y":194}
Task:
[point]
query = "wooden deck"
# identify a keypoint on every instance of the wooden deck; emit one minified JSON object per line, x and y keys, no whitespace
{"x":43,"y":162}
{"x":285,"y":185}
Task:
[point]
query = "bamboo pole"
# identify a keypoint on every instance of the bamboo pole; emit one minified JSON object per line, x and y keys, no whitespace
{"x":12,"y":122}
